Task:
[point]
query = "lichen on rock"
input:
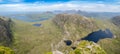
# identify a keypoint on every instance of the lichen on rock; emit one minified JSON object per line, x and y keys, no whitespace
{"x":6,"y":50}
{"x":86,"y":47}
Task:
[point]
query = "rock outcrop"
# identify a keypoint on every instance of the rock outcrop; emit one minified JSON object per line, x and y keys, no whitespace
{"x":74,"y":24}
{"x":116,"y":20}
{"x":6,"y":37}
{"x":62,"y":19}
{"x":86,"y":47}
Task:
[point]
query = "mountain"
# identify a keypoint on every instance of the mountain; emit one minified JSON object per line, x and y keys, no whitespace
{"x":51,"y":34}
{"x":31,"y":17}
{"x":99,"y":15}
{"x":116,"y":20}
{"x":6,"y":37}
{"x":75,"y":27}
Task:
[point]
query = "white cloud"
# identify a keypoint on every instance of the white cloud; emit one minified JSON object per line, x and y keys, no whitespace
{"x":60,"y":6}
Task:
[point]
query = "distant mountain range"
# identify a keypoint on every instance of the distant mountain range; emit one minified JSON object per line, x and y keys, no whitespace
{"x":102,"y":15}
{"x":99,"y":15}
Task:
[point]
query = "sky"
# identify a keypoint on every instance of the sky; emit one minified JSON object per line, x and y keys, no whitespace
{"x":51,"y":5}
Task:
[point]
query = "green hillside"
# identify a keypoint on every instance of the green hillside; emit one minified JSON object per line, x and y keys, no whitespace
{"x":86,"y":47}
{"x":50,"y":36}
{"x":79,"y":26}
{"x":35,"y":40}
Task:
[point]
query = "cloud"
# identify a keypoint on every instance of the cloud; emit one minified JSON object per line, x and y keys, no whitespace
{"x":96,"y":7}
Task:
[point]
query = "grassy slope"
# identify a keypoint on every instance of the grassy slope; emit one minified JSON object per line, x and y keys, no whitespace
{"x":111,"y":46}
{"x":35,"y":40}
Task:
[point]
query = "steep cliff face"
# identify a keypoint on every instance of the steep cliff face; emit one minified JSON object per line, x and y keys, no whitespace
{"x":6,"y":37}
{"x":116,"y":20}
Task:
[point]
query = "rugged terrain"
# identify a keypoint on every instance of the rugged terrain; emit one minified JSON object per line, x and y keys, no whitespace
{"x":116,"y":20}
{"x":6,"y":37}
{"x":50,"y":36}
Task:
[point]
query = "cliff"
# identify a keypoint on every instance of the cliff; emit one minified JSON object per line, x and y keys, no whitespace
{"x":6,"y":37}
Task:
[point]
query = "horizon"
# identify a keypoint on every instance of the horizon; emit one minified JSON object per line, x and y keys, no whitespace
{"x":47,"y":5}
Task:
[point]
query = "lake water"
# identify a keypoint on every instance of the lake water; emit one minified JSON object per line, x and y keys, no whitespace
{"x":97,"y":35}
{"x":24,"y":18}
{"x":38,"y":25}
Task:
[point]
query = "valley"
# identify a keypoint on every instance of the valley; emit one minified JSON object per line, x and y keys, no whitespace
{"x":37,"y":36}
{"x":31,"y":39}
{"x":59,"y":26}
